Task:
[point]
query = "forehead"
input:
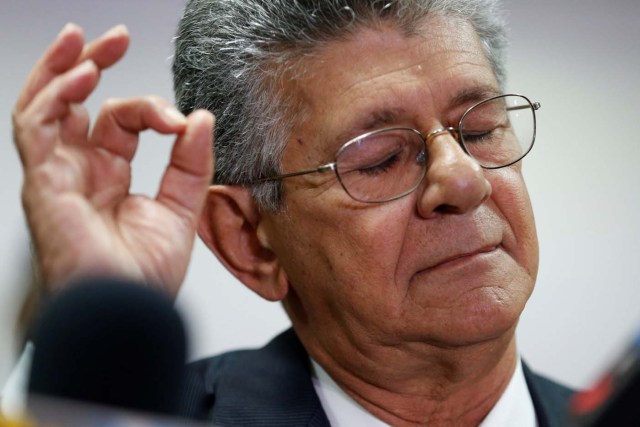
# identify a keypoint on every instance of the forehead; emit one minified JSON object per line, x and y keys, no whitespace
{"x":381,"y":76}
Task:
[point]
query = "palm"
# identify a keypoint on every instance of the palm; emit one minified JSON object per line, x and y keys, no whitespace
{"x":85,"y":207}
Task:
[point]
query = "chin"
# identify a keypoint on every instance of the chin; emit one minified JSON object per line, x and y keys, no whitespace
{"x":486,"y":321}
{"x":486,"y":314}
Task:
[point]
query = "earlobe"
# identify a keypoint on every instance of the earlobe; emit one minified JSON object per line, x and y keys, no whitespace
{"x":230,"y":227}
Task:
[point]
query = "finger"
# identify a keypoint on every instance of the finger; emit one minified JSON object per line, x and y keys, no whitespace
{"x":185,"y":182}
{"x":121,"y":120}
{"x":74,"y":128}
{"x":67,"y":51}
{"x":58,"y":58}
{"x":36,"y":128}
{"x":108,"y":48}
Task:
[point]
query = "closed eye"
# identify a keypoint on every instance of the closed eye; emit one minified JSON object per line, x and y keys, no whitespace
{"x":382,"y":166}
{"x":477,"y":138}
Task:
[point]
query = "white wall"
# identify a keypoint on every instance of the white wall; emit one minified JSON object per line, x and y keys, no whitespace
{"x":580,"y":59}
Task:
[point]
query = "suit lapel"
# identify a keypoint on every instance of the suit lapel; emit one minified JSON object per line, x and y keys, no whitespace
{"x":266,"y":387}
{"x":550,"y":399}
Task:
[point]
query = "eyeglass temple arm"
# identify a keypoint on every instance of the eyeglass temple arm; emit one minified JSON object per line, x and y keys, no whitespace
{"x":321,"y":169}
{"x":535,"y":105}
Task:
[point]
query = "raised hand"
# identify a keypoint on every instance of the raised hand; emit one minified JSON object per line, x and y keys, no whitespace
{"x":76,"y":182}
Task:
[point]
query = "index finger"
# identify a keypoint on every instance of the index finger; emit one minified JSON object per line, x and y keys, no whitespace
{"x":68,"y":50}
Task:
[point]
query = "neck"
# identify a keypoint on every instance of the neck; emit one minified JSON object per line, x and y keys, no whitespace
{"x":423,"y":384}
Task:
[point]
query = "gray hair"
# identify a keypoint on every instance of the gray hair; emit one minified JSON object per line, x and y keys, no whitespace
{"x":231,"y":56}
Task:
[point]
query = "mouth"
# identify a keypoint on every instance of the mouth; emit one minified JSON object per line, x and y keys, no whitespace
{"x":464,"y":257}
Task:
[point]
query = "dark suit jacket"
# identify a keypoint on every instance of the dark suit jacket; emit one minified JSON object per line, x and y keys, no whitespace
{"x":272,"y":386}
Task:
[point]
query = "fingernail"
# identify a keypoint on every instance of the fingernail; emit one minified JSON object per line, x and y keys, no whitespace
{"x":67,"y":27}
{"x":117,"y":30}
{"x":83,"y":67}
{"x":175,"y":116}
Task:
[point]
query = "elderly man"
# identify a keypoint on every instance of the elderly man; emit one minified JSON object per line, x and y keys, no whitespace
{"x":368,"y":176}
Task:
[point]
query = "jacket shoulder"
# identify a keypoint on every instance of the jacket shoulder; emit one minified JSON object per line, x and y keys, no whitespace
{"x":259,"y":387}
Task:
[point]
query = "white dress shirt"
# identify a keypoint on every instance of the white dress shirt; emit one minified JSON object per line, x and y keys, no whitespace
{"x":13,"y":397}
{"x":514,"y":408}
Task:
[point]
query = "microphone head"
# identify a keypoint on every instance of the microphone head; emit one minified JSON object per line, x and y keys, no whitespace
{"x":613,"y":400}
{"x":113,"y":343}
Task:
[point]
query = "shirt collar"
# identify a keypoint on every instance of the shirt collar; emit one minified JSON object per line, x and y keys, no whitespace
{"x":515,"y":406}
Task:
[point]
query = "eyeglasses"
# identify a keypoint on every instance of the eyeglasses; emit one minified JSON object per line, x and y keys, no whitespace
{"x":387,"y":164}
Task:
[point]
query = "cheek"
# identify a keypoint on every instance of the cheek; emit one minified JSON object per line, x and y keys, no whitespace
{"x":345,"y":259}
{"x":512,"y":200}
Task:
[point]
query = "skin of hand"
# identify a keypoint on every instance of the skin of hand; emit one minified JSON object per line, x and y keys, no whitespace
{"x":82,"y":218}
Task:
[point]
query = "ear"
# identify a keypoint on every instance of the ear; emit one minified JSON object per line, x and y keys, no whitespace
{"x":230,"y":227}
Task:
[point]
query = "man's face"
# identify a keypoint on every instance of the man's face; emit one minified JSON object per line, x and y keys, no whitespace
{"x":452,"y":263}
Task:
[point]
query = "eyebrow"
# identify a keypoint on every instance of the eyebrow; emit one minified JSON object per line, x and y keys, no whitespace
{"x":473,"y":94}
{"x":380,"y":118}
{"x":389,"y":116}
{"x":374,"y":120}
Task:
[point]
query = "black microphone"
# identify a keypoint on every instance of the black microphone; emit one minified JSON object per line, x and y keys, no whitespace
{"x":110,"y":342}
{"x":614,"y":401}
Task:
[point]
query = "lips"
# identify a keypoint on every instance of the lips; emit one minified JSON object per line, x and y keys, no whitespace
{"x":461,"y":257}
{"x":461,"y":240}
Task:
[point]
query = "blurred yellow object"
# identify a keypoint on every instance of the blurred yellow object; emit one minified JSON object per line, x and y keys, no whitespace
{"x":4,"y":422}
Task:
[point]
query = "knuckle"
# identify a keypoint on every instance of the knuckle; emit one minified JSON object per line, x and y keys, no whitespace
{"x":80,"y":112}
{"x":37,"y":178}
{"x":17,"y":120}
{"x":155,"y":102}
{"x":20,"y":127}
{"x":112,"y":103}
{"x":154,"y":99}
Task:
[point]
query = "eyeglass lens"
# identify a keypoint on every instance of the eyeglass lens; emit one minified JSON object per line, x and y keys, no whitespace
{"x":387,"y":164}
{"x":498,"y":132}
{"x":381,"y":165}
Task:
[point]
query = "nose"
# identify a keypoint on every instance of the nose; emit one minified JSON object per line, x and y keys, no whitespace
{"x":455,"y":182}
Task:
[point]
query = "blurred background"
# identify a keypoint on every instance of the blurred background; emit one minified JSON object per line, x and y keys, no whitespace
{"x":579,"y":58}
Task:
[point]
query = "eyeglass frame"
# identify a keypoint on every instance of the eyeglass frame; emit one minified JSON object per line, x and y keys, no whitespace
{"x":456,"y":132}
